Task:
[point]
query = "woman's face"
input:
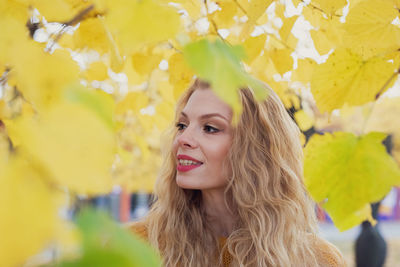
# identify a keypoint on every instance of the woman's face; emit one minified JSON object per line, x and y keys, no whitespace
{"x":202,"y":143}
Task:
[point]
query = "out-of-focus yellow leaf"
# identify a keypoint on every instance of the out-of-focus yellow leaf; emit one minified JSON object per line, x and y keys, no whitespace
{"x":4,"y":148}
{"x":253,"y":46}
{"x":180,"y":75}
{"x":286,"y":29}
{"x":224,"y":17}
{"x":339,"y":79}
{"x":254,"y":10}
{"x":337,"y":165}
{"x":131,"y":32}
{"x":54,"y":10}
{"x":74,"y":144}
{"x":313,"y":15}
{"x":304,"y":120}
{"x":18,"y":10}
{"x":369,"y":24}
{"x":321,"y":42}
{"x":282,"y":59}
{"x":28,"y":214}
{"x":97,"y":71}
{"x":329,"y":7}
{"x":144,"y":63}
{"x":91,"y":34}
{"x":43,"y":82}
{"x":132,"y":101}
{"x":13,"y":32}
{"x":304,"y":71}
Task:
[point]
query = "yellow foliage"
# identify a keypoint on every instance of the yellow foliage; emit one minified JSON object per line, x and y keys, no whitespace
{"x":330,"y":7}
{"x":254,"y":10}
{"x":339,"y":79}
{"x":282,"y":59}
{"x":224,"y":17}
{"x":304,"y":71}
{"x":13,"y":33}
{"x":253,"y":47}
{"x":91,"y":34}
{"x":180,"y":75}
{"x":304,"y":121}
{"x":74,"y":144}
{"x":369,"y":24}
{"x":97,"y":71}
{"x":131,"y":31}
{"x":54,"y":10}
{"x":348,"y":172}
{"x":132,"y":101}
{"x":145,"y":62}
{"x":47,"y":76}
{"x":29,"y":211}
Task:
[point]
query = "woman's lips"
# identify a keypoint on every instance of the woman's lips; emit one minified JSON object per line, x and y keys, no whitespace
{"x":185,"y":168}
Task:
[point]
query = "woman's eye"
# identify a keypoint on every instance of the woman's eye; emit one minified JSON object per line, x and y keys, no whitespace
{"x":180,"y":126}
{"x":210,"y":129}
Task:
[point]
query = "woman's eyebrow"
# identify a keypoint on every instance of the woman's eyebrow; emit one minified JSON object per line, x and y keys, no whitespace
{"x":206,"y":116}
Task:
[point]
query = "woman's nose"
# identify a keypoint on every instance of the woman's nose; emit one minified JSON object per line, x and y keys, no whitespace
{"x":187,"y":138}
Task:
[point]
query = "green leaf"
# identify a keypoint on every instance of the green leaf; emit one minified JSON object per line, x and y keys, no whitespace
{"x":105,"y":243}
{"x":347,"y":173}
{"x":219,"y":64}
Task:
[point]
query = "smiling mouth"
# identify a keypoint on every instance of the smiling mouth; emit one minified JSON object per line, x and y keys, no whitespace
{"x":186,"y":162}
{"x":187,"y":165}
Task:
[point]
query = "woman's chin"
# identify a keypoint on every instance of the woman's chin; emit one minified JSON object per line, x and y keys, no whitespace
{"x":183,"y":182}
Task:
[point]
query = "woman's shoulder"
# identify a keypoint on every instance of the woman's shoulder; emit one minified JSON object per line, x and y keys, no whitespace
{"x":137,"y":227}
{"x":327,"y":254}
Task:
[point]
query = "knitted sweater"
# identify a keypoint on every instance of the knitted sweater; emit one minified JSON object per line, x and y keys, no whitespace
{"x":327,"y":254}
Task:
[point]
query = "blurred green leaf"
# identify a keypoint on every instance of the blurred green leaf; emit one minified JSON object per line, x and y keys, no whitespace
{"x":219,"y":64}
{"x":105,"y":243}
{"x":347,"y":172}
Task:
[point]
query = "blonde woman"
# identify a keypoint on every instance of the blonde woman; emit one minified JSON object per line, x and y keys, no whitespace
{"x":233,"y":195}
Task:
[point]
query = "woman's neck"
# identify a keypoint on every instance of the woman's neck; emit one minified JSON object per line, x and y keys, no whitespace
{"x":220,"y":217}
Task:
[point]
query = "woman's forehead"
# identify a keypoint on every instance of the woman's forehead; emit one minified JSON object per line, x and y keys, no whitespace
{"x":206,"y":101}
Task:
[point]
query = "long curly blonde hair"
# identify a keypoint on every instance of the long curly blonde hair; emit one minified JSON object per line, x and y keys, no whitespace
{"x":265,"y":192}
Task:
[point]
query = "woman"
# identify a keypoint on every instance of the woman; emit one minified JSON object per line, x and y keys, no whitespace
{"x":233,"y":195}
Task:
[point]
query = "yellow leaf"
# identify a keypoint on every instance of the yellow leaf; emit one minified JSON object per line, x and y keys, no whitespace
{"x":97,"y":71}
{"x":305,"y":68}
{"x":54,"y":10}
{"x":321,"y":42}
{"x":130,"y":32}
{"x":134,"y":101}
{"x":347,"y":173}
{"x":73,"y":143}
{"x":304,"y":121}
{"x":282,"y":59}
{"x":369,"y":24}
{"x":346,"y":78}
{"x":224,"y":17}
{"x":330,"y":7}
{"x":257,"y":8}
{"x":91,"y":34}
{"x":286,"y":29}
{"x":180,"y":75}
{"x":328,"y":35}
{"x":253,"y":47}
{"x":43,"y":82}
{"x":314,"y":16}
{"x":28,"y":214}
{"x":13,"y":32}
{"x":146,"y":62}
{"x":254,"y":10}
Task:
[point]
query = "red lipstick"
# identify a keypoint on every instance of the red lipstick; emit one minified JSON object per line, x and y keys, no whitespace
{"x":185,"y":168}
